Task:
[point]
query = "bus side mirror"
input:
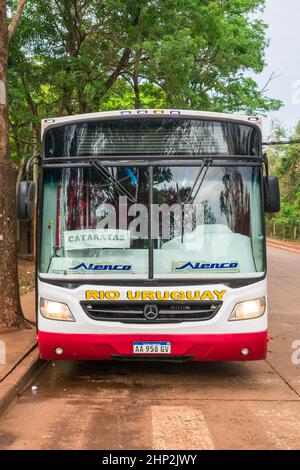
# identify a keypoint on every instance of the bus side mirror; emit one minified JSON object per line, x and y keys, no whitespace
{"x":272,"y":194}
{"x":25,"y":200}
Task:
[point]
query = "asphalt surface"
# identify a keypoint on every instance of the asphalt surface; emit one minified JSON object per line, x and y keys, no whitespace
{"x":88,"y":405}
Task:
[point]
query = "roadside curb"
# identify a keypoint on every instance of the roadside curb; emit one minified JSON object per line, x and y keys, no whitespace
{"x":276,"y":244}
{"x":18,"y":379}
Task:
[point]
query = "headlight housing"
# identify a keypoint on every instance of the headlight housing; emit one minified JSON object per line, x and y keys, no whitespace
{"x":249,"y":309}
{"x":55,"y":310}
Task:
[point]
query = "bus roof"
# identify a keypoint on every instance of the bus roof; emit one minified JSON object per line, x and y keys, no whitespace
{"x":256,"y":120}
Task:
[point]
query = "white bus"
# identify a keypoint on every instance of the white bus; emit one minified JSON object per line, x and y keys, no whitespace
{"x":150,"y":236}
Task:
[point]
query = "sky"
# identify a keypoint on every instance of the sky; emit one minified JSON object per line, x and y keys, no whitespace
{"x":283,"y":59}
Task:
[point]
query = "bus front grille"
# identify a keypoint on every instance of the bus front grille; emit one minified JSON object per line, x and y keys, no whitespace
{"x":168,"y":312}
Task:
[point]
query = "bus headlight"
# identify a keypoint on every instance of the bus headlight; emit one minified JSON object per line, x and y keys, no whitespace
{"x":249,"y":309}
{"x":55,"y":310}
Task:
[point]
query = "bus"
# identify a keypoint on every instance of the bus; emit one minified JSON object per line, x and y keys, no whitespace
{"x":150,"y":239}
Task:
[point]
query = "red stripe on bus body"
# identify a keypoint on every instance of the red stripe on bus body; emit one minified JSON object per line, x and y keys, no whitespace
{"x":205,"y":347}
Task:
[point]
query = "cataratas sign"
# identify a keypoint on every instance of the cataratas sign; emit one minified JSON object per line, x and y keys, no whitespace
{"x":96,"y":238}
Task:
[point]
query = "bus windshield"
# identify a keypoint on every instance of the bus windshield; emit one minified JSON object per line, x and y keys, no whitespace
{"x":163,"y":221}
{"x":151,"y":137}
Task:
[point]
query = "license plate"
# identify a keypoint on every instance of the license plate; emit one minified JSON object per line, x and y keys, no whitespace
{"x":152,"y":347}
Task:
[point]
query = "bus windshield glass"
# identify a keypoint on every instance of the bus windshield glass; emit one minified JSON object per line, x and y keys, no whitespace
{"x":151,"y":136}
{"x":166,"y":220}
{"x":201,"y":224}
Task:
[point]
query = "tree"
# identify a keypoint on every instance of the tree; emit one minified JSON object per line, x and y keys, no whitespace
{"x":10,"y":312}
{"x":91,"y":55}
{"x":285,"y":163}
{"x":73,"y":56}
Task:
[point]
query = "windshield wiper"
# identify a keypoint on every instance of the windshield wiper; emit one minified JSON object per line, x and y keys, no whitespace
{"x":205,"y":164}
{"x":105,"y":173}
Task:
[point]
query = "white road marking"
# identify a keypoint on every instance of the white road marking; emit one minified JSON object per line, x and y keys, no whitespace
{"x":179,"y":427}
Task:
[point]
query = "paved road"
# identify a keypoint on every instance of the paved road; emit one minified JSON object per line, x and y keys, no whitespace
{"x":179,"y":406}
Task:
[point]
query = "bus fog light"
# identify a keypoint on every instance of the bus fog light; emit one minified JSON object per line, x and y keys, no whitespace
{"x":245,"y":352}
{"x":249,"y":309}
{"x":55,"y":310}
{"x":59,"y":351}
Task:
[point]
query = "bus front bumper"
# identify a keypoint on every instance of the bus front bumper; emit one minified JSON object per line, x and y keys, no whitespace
{"x":206,"y":347}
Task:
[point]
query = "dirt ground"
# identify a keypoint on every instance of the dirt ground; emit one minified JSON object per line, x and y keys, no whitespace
{"x":26,"y":274}
{"x":160,"y":406}
{"x":291,"y":244}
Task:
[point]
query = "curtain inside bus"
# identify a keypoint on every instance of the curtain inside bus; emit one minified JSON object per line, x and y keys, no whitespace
{"x":155,"y":136}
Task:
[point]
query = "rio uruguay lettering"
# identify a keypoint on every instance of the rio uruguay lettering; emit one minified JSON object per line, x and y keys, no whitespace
{"x":156,"y":295}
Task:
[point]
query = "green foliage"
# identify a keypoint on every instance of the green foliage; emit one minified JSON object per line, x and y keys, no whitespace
{"x":285,"y":163}
{"x":78,"y":56}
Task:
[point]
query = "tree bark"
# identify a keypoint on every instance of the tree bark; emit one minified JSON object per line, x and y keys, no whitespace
{"x":115,"y":74}
{"x":16,"y":18}
{"x":136,"y":89}
{"x":11,"y":315}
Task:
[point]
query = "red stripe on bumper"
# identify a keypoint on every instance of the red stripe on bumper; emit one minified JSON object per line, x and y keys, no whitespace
{"x":217,"y":347}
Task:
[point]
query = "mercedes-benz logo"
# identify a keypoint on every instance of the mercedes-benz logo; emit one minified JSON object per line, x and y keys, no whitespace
{"x":151,"y":312}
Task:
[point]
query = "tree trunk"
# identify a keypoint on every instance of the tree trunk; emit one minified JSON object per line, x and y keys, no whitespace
{"x":136,"y":89}
{"x":10,"y":309}
{"x":14,"y":22}
{"x":11,"y":315}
